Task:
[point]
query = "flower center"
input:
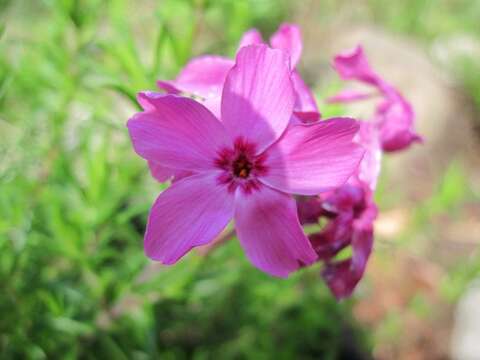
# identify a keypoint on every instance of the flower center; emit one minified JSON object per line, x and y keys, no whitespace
{"x":241,"y":166}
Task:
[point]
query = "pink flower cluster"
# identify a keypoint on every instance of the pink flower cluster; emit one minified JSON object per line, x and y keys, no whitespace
{"x":242,"y":140}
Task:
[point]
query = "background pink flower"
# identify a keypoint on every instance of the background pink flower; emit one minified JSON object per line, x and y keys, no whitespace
{"x":204,"y":76}
{"x":350,"y":211}
{"x":394,"y":115}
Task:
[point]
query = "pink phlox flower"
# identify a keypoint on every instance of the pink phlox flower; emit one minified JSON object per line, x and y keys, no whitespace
{"x":244,"y":166}
{"x":349,"y":212}
{"x":394,"y":116}
{"x":352,"y":215}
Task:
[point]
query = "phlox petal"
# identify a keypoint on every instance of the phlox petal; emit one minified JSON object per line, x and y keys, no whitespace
{"x":313,"y":158}
{"x":270,"y":233}
{"x":179,"y":133}
{"x":189,"y":213}
{"x":258,"y":97}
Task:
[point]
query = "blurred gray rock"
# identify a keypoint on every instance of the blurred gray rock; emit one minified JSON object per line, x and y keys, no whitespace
{"x":466,"y":331}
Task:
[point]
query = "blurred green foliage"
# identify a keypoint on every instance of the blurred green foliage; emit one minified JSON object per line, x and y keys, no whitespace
{"x":74,"y":281}
{"x":427,"y":19}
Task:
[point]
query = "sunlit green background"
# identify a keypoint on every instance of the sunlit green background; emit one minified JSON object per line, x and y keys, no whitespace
{"x":74,"y":282}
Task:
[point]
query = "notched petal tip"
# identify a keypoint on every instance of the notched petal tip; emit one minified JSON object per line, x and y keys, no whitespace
{"x":349,"y":58}
{"x":147,"y":99}
{"x":246,"y":53}
{"x":354,"y":65}
{"x":288,"y":38}
{"x":168,"y":86}
{"x":151,"y":99}
{"x":250,"y":37}
{"x":357,"y":50}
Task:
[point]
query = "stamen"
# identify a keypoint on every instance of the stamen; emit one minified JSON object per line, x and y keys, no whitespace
{"x":242,"y":166}
{"x":243,"y":173}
